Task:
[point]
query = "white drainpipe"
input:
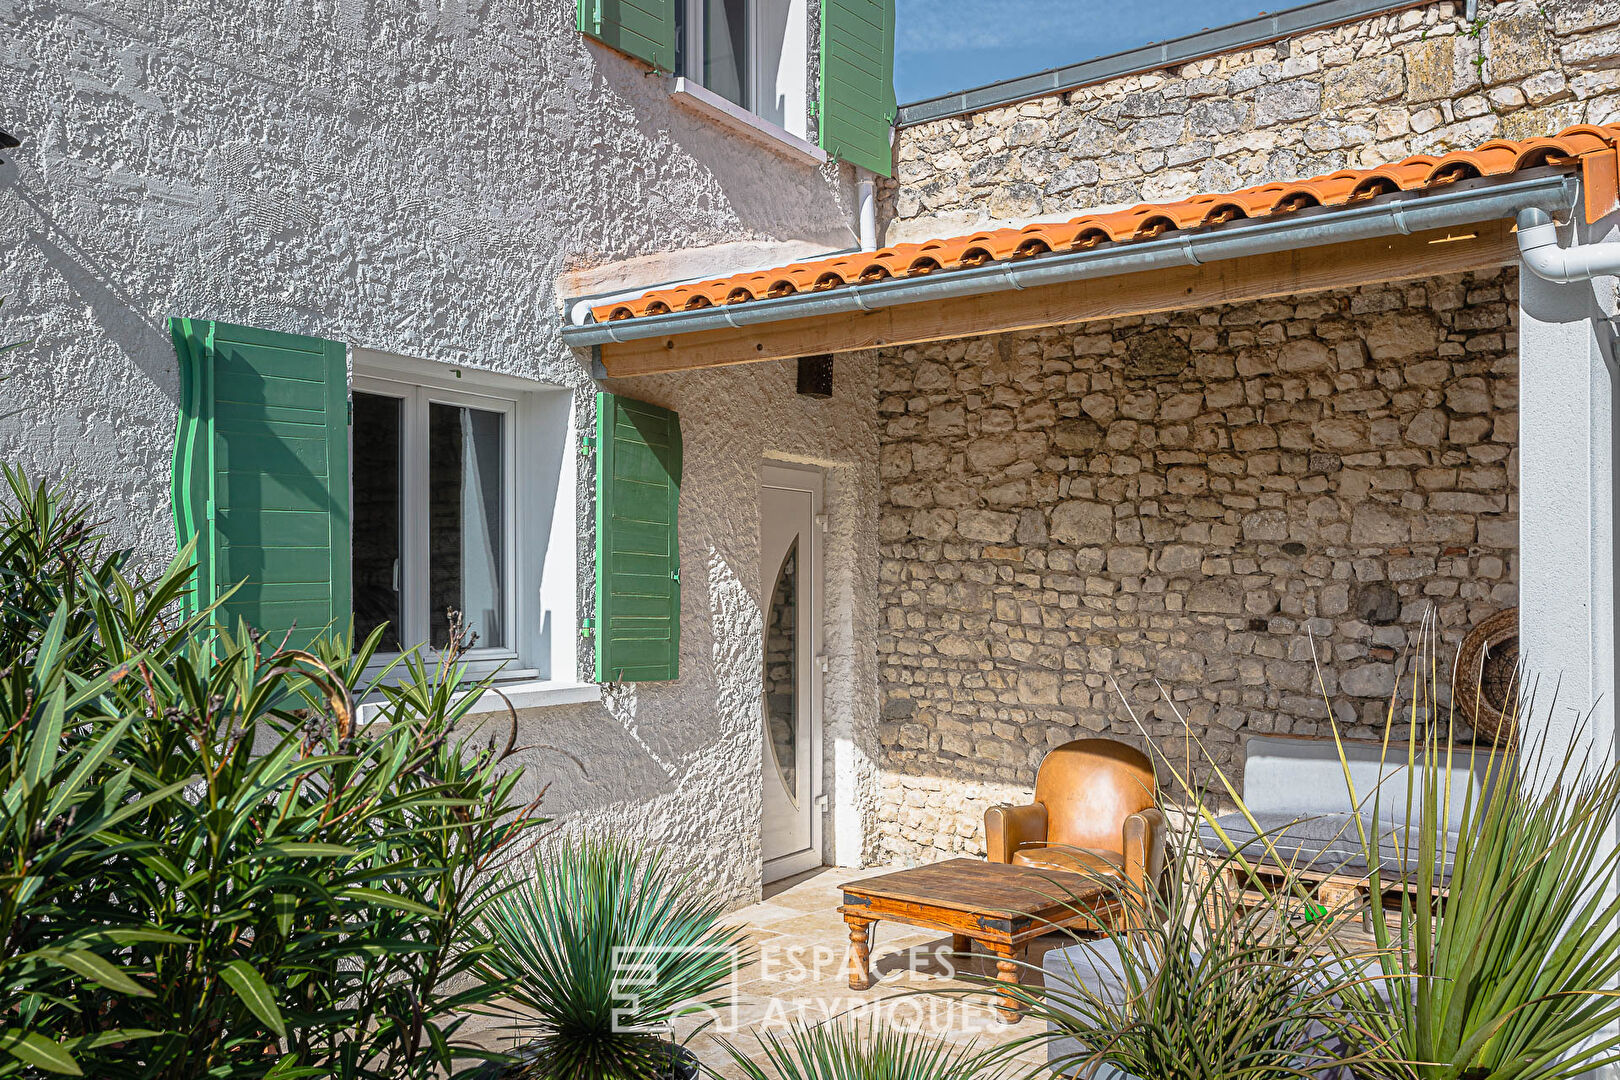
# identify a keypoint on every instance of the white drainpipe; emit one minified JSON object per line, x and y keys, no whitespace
{"x":1538,"y":247}
{"x":866,"y":203}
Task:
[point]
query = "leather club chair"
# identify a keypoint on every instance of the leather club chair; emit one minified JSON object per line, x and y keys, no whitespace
{"x":1094,"y":813}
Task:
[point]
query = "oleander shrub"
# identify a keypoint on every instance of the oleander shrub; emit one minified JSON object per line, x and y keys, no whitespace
{"x":213,"y":861}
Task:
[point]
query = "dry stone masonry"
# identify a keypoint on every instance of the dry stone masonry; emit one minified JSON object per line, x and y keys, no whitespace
{"x":1425,"y":80}
{"x":1207,"y":502}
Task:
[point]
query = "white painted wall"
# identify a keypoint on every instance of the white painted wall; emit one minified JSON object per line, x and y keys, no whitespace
{"x":1568,"y":391}
{"x":1567,"y":581}
{"x":414,"y":179}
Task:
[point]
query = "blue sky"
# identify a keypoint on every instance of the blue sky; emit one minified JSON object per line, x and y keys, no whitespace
{"x":946,"y":45}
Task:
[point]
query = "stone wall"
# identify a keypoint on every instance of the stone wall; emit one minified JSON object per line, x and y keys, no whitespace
{"x":1184,"y":501}
{"x":1418,"y":81}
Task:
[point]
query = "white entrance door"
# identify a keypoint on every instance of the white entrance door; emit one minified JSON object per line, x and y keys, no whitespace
{"x":790,"y":706}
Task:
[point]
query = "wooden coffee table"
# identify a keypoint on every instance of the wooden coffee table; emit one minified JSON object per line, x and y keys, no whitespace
{"x":999,"y":905}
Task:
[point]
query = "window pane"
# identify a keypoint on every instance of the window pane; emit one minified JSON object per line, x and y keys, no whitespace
{"x":375,"y":558}
{"x":725,"y":48}
{"x":466,"y":536}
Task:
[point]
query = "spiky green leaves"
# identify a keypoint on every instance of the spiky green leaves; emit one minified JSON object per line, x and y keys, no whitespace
{"x":845,"y":1049}
{"x":606,"y":944}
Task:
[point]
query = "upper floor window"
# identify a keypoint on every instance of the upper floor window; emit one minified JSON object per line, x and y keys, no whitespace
{"x":747,"y":64}
{"x":753,"y":53}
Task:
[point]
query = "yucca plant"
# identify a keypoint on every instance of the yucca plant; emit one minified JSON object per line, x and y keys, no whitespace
{"x":843,"y":1049}
{"x":1502,"y":968}
{"x":1509,"y":974}
{"x":1204,"y":980}
{"x":605,"y":945}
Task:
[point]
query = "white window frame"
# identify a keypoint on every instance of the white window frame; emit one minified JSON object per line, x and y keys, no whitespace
{"x":540,"y":558}
{"x":759,"y":80}
{"x":415,"y":618}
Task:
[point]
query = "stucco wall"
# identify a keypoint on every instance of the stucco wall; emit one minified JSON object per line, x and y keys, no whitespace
{"x":1424,"y":80}
{"x":415,"y":180}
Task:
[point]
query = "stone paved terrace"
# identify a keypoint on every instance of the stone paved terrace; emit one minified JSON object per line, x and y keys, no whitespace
{"x":802,"y":940}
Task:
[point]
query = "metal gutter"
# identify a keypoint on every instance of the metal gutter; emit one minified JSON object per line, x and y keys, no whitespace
{"x":1179,"y":50}
{"x":1550,"y":189}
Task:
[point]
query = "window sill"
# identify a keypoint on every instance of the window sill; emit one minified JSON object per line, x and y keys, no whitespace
{"x":532,"y":694}
{"x":702,"y":100}
{"x":522,"y":693}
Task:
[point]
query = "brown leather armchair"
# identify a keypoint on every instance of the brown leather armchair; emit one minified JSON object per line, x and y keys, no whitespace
{"x":1094,"y":813}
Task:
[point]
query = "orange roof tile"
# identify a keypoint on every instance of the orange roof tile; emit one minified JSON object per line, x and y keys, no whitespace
{"x":1592,"y":148}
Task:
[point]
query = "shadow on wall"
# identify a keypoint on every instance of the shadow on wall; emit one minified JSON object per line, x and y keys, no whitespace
{"x":584,"y":759}
{"x":751,"y":184}
{"x":696,"y":735}
{"x":142,"y":338}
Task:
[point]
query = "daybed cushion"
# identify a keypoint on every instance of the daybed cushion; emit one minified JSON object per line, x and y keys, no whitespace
{"x":1323,"y":844}
{"x":1094,"y":965}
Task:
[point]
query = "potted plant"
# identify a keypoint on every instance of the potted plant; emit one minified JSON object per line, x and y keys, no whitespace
{"x":603,"y":947}
{"x":1204,"y":980}
{"x":841,"y":1049}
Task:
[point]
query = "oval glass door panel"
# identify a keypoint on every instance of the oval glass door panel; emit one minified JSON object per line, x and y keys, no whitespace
{"x":781,"y":671}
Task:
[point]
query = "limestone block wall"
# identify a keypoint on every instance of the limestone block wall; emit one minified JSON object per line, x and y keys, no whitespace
{"x":1075,"y":518}
{"x":1424,"y":80}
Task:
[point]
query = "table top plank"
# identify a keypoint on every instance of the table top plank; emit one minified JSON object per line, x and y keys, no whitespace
{"x":977,"y":886}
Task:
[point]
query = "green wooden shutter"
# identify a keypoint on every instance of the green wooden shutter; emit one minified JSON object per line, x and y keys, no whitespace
{"x":261,"y":475}
{"x":638,"y":557}
{"x":856,"y":107}
{"x":643,"y":28}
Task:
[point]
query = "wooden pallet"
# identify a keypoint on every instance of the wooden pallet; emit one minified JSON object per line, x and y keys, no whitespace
{"x":1348,"y":898}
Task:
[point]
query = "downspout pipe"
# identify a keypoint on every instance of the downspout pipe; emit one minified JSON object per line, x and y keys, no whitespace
{"x":866,"y":209}
{"x":1387,"y":216}
{"x":1538,"y":247}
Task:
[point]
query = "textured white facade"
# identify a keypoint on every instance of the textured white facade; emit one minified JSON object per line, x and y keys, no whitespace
{"x":416,"y":180}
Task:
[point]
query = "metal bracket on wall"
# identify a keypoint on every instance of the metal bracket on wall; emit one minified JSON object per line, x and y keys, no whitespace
{"x":598,"y":369}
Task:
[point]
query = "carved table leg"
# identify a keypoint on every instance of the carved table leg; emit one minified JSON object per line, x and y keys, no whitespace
{"x":860,"y":952}
{"x":1007,"y":966}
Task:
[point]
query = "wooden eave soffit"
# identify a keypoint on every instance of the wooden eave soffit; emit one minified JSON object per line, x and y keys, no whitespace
{"x":1256,"y":277}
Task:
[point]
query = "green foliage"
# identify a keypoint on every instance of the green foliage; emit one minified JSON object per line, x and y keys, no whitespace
{"x":1505,"y":974}
{"x":841,"y":1049}
{"x":1204,"y":982}
{"x":211,"y":864}
{"x":605,"y":945}
{"x":1508,"y":978}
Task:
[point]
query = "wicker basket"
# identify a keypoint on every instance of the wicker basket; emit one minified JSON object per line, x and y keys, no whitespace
{"x":1485,"y":686}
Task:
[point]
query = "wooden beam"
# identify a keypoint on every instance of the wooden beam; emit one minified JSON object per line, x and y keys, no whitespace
{"x":1231,"y":281}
